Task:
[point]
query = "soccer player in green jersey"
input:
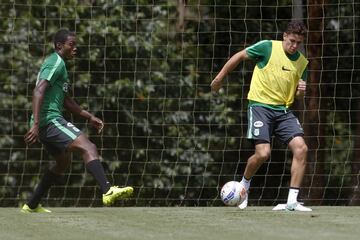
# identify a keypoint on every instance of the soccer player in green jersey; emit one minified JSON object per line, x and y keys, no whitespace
{"x":60,"y":137}
{"x":279,"y":76}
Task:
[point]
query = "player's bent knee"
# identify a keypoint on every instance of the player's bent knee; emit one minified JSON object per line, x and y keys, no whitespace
{"x":90,"y":152}
{"x":93,"y":149}
{"x":301,"y":150}
{"x":263,"y":155}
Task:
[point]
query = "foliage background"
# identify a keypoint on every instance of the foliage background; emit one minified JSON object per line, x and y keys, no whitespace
{"x":145,"y":70}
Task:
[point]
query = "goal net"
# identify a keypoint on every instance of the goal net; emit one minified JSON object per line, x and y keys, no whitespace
{"x":145,"y":67}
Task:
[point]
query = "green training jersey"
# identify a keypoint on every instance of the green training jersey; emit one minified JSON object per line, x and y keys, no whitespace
{"x":54,"y":71}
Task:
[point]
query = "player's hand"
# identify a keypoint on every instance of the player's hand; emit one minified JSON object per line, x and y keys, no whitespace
{"x":301,"y":86}
{"x":215,"y":85}
{"x":300,"y":91}
{"x":32,"y":135}
{"x":97,"y":123}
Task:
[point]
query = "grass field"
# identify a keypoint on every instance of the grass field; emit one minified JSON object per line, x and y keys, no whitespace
{"x":181,"y":223}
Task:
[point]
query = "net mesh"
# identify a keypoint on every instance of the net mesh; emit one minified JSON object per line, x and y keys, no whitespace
{"x":144,"y":67}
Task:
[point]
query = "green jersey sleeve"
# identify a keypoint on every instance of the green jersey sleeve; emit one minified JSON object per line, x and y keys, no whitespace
{"x":260,"y":52}
{"x":304,"y":76}
{"x":48,"y":73}
{"x":51,"y":68}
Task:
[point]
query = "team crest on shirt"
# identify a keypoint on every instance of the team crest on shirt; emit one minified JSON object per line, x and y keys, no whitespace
{"x":66,"y":87}
{"x":258,"y":124}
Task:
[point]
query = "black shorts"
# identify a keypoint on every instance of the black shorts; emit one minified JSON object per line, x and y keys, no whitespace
{"x":58,"y":135}
{"x":264,"y":122}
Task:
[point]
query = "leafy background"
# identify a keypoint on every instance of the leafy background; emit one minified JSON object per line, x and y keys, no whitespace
{"x":145,"y":67}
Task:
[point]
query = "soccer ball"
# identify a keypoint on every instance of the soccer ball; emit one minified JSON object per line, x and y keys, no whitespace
{"x":230,"y":193}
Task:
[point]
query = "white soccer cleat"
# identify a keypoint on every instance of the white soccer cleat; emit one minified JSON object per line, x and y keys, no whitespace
{"x":297,"y":207}
{"x":244,"y":197}
{"x":292,"y":207}
{"x":279,"y":207}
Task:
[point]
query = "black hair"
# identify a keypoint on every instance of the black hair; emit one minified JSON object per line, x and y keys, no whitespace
{"x":296,"y":27}
{"x":61,"y":36}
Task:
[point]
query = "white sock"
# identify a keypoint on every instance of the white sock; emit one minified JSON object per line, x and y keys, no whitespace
{"x":246,"y":183}
{"x":293,"y":194}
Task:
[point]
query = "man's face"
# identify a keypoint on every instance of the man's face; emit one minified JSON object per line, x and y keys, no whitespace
{"x":68,"y":49}
{"x":292,"y":42}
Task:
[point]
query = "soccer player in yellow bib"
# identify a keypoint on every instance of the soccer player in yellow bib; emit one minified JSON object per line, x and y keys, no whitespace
{"x":279,"y":76}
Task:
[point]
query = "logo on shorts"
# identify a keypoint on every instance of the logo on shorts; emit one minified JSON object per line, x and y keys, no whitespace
{"x":300,"y":127}
{"x":258,"y":124}
{"x":256,"y":132}
{"x":66,"y":87}
{"x":70,"y":125}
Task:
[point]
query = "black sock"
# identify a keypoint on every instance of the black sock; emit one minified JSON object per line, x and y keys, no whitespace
{"x":48,"y":179}
{"x":97,"y":170}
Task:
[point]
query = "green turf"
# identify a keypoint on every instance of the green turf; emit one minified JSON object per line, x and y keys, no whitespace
{"x":181,"y":223}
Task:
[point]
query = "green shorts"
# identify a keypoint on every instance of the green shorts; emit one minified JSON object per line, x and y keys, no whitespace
{"x":265,"y":122}
{"x":58,"y":135}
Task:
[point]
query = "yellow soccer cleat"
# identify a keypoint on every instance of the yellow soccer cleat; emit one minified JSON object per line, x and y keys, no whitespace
{"x":38,"y":209}
{"x":116,"y":193}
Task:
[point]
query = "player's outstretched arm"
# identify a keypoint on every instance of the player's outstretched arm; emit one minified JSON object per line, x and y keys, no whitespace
{"x":75,"y":109}
{"x":38,"y":96}
{"x":227,"y":68}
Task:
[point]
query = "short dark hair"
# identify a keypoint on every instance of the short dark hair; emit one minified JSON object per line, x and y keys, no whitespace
{"x":61,"y":36}
{"x":296,"y":27}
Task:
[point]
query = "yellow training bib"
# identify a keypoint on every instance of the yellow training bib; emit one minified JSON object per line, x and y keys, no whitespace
{"x":276,"y":83}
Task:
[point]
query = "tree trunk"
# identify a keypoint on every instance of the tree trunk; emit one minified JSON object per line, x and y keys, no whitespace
{"x":355,"y":195}
{"x":314,"y":130}
{"x":297,"y":14}
{"x":181,"y":12}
